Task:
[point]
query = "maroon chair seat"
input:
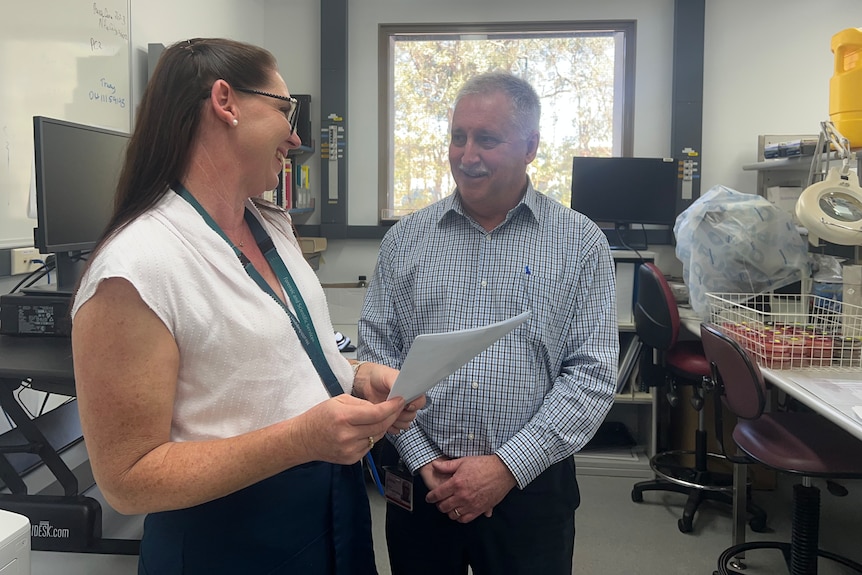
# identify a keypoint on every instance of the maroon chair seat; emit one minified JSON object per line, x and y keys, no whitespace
{"x":686,"y":360}
{"x":800,"y":443}
{"x":790,"y":442}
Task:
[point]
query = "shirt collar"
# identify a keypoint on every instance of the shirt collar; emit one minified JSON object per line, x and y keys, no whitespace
{"x":451,"y":206}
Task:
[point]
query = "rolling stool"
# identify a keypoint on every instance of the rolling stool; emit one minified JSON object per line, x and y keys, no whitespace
{"x":799,"y":443}
{"x":681,"y":363}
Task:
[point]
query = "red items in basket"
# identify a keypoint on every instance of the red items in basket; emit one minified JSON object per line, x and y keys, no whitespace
{"x":819,"y":349}
{"x":782,"y":352}
{"x":792,"y":331}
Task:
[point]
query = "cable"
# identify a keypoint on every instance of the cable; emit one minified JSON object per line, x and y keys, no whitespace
{"x":44,"y":266}
{"x":39,"y":273}
{"x":618,"y":228}
{"x":31,"y":278}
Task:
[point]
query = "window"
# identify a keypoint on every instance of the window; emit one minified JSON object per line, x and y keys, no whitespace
{"x":582,"y":71}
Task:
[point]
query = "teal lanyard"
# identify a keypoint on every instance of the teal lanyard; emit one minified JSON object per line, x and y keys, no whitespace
{"x":301,"y":321}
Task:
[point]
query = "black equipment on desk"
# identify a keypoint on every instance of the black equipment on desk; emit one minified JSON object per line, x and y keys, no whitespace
{"x":76,"y":172}
{"x":71,"y":521}
{"x":42,"y":314}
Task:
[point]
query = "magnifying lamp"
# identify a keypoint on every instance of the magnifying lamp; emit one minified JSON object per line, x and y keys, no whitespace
{"x":832,"y":209}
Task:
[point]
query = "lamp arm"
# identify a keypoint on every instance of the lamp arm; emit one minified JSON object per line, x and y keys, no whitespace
{"x":841,"y":145}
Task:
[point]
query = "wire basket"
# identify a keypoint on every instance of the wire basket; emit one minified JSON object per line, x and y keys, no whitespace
{"x":784,"y":331}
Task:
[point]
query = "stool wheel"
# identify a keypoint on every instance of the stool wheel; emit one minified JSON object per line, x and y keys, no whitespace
{"x":684,"y":525}
{"x":637,"y":496}
{"x":758,"y":524}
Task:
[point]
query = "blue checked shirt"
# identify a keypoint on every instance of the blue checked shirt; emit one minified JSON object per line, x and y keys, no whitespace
{"x":539,"y":394}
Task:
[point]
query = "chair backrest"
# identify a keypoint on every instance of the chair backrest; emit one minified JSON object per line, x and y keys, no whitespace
{"x":655,"y":311}
{"x":738,"y":378}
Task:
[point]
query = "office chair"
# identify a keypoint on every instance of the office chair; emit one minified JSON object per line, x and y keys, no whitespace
{"x":790,"y":442}
{"x":682,"y":363}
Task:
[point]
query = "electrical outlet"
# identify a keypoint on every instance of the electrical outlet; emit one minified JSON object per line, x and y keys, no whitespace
{"x":25,"y":260}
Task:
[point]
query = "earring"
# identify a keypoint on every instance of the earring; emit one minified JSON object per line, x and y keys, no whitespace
{"x":235,"y":122}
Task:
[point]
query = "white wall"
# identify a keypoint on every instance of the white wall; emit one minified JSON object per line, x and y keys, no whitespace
{"x":766,"y":71}
{"x":168,"y":21}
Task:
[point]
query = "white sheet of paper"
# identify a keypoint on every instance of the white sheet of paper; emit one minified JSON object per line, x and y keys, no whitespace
{"x":435,"y":356}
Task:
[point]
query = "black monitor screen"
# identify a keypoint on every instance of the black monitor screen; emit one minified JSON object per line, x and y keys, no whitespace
{"x":77,"y":168}
{"x":625,"y":190}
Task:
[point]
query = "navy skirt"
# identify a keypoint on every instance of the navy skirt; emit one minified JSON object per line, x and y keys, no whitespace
{"x":313,"y":519}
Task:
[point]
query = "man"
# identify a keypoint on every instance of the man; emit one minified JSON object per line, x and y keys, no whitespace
{"x":496,"y":485}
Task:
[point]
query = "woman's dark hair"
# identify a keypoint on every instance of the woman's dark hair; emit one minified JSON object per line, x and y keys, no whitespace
{"x":169,"y":116}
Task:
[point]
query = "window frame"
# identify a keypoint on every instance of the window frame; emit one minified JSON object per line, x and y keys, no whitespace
{"x":624,"y":93}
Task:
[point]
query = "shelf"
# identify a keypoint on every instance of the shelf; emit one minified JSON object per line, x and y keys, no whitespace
{"x":636,"y":397}
{"x":301,"y":154}
{"x":300,"y":150}
{"x":630,"y":462}
{"x":795,"y":163}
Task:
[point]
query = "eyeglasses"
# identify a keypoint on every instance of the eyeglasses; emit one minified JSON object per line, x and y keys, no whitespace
{"x":292,"y":114}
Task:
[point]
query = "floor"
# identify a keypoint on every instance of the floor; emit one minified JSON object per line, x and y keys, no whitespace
{"x":617,"y":536}
{"x":614,"y":535}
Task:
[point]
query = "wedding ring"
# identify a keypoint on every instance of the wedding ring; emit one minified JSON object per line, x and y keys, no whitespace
{"x":370,"y":442}
{"x":457,"y":513}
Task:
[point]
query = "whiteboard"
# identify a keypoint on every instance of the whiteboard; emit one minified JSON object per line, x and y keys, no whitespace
{"x":65,"y":59}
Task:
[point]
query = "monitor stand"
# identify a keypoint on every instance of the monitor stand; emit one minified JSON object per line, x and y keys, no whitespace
{"x":622,"y":237}
{"x":68,"y":270}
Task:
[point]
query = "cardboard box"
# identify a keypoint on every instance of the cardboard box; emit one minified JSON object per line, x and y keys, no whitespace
{"x":312,"y":245}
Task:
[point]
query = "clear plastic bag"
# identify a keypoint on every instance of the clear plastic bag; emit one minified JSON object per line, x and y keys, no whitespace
{"x":730,"y":242}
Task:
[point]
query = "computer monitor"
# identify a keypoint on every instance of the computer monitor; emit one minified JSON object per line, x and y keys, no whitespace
{"x":622,"y":191}
{"x":77,"y":169}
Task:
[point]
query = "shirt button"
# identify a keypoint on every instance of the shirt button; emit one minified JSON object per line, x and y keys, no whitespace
{"x":488,"y":237}
{"x":470,"y":436}
{"x":475,"y":385}
{"x":484,"y":283}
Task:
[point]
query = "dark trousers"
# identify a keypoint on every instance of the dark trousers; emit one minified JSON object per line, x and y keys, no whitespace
{"x":531,"y":532}
{"x":313,"y":519}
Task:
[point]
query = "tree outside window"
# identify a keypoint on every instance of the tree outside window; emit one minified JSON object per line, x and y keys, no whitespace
{"x":583,"y":73}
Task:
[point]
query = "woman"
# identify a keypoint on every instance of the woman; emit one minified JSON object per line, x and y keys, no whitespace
{"x":208,"y":379}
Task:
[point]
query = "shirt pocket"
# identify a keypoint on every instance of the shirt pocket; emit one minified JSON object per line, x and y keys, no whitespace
{"x":532,"y":292}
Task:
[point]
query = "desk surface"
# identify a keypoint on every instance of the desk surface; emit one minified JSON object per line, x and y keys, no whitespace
{"x":47,"y":361}
{"x":830,"y":392}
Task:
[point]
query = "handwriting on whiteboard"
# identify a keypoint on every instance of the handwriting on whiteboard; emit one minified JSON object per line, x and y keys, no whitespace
{"x":111,"y":21}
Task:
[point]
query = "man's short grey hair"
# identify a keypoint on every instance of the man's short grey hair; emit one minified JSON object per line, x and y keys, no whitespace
{"x":525,"y":102}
